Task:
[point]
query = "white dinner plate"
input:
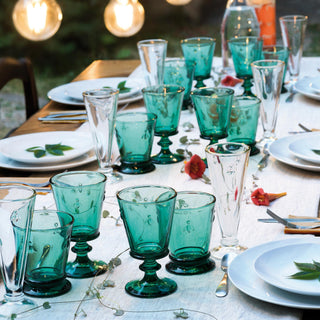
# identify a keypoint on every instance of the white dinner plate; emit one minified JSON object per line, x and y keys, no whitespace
{"x":15,"y":147}
{"x":277,"y":265}
{"x":315,"y":85}
{"x":279,"y":149}
{"x":20,"y":166}
{"x":303,"y":87}
{"x":71,"y":93}
{"x":243,"y":275}
{"x":303,"y":148}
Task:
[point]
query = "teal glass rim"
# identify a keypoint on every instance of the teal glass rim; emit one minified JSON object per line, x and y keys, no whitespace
{"x":210,"y":92}
{"x":201,"y":193}
{"x":198,"y":40}
{"x":14,"y":199}
{"x":152,"y":42}
{"x":294,"y":18}
{"x":244,"y":39}
{"x":100,"y":93}
{"x":150,"y":117}
{"x":120,"y":197}
{"x":168,"y":89}
{"x":250,"y":99}
{"x":54,"y":180}
{"x":236,"y":145}
{"x":266,"y":64}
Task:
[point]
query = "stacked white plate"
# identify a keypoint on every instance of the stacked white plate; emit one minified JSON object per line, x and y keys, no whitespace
{"x":71,"y":93}
{"x":263,"y":272}
{"x":13,"y":154}
{"x":300,"y":150}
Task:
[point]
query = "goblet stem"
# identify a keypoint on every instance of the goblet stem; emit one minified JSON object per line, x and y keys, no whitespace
{"x":200,"y":83}
{"x":165,"y":156}
{"x":83,"y":267}
{"x":247,"y":84}
{"x":112,"y":176}
{"x":150,"y":286}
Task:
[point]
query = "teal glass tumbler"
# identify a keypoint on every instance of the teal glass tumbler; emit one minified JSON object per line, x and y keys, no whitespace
{"x":135,"y":133}
{"x":244,"y":51}
{"x":81,"y":193}
{"x":200,"y":50}
{"x":166,"y":103}
{"x":180,"y":72}
{"x":147,"y":213}
{"x":213,"y":108}
{"x":16,"y":214}
{"x":48,"y":254}
{"x":277,"y":53}
{"x":191,"y":234}
{"x":243,"y":125}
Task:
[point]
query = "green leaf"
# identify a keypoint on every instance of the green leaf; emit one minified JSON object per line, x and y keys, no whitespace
{"x":317,"y":264}
{"x":316,"y":151}
{"x":46,"y":305}
{"x":180,"y":151}
{"x":304,"y":275}
{"x":32,"y":149}
{"x":65,"y":148}
{"x":105,"y":213}
{"x":308,"y":267}
{"x":13,"y":316}
{"x":181,"y":314}
{"x":39,"y":153}
{"x":122,"y":87}
{"x":119,"y":312}
{"x":183,"y":140}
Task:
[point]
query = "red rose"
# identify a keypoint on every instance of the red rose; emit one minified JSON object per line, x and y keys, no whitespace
{"x":229,"y":81}
{"x":195,"y":167}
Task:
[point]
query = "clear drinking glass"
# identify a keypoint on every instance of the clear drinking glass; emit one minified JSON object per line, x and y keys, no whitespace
{"x":293,"y":29}
{"x":152,"y":55}
{"x":16,"y":210}
{"x":101,"y":106}
{"x":268,"y":75}
{"x":227,"y":164}
{"x":239,"y":20}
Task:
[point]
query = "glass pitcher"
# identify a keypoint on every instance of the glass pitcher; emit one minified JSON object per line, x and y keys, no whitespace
{"x":239,"y":20}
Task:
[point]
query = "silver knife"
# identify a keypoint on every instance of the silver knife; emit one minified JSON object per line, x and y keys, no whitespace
{"x":290,"y":220}
{"x":281,"y":220}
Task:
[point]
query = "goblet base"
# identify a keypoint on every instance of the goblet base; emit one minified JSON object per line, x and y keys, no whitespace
{"x":20,"y":308}
{"x":85,"y":270}
{"x":46,"y":289}
{"x":167,"y":158}
{"x":113,"y":177}
{"x":136,"y":167}
{"x":143,"y":289}
{"x":189,"y":266}
{"x":220,"y":251}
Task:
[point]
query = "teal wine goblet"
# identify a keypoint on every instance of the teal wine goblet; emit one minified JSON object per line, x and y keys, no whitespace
{"x":244,"y":121}
{"x":165,"y":102}
{"x":134,"y":133}
{"x":180,"y":72}
{"x":48,"y":254}
{"x":16,"y":212}
{"x":81,"y":194}
{"x":191,"y":234}
{"x":213,"y":108}
{"x":147,"y":213}
{"x":199,"y":50}
{"x":244,"y":51}
{"x":277,"y":53}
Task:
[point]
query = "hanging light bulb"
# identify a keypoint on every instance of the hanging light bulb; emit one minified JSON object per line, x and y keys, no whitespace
{"x":124,"y":18}
{"x":37,"y":19}
{"x":178,"y":2}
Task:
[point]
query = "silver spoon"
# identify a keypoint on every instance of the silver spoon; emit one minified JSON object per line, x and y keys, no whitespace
{"x":222,"y":289}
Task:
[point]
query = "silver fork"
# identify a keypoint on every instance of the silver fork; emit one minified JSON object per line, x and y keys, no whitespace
{"x":36,"y":185}
{"x":290,"y":224}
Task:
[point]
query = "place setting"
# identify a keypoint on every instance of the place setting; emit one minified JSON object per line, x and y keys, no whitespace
{"x":46,"y":151}
{"x":71,"y":93}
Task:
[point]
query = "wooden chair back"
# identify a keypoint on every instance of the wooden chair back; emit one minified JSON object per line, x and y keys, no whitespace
{"x":22,"y":69}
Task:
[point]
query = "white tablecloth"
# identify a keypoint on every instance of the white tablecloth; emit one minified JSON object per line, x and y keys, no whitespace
{"x":197,"y":292}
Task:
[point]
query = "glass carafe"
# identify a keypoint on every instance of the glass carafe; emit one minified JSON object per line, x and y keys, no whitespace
{"x":239,"y":20}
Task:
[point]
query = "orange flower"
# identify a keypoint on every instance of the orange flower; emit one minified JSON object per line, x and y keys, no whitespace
{"x":195,"y":167}
{"x":229,"y":81}
{"x":261,"y":198}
